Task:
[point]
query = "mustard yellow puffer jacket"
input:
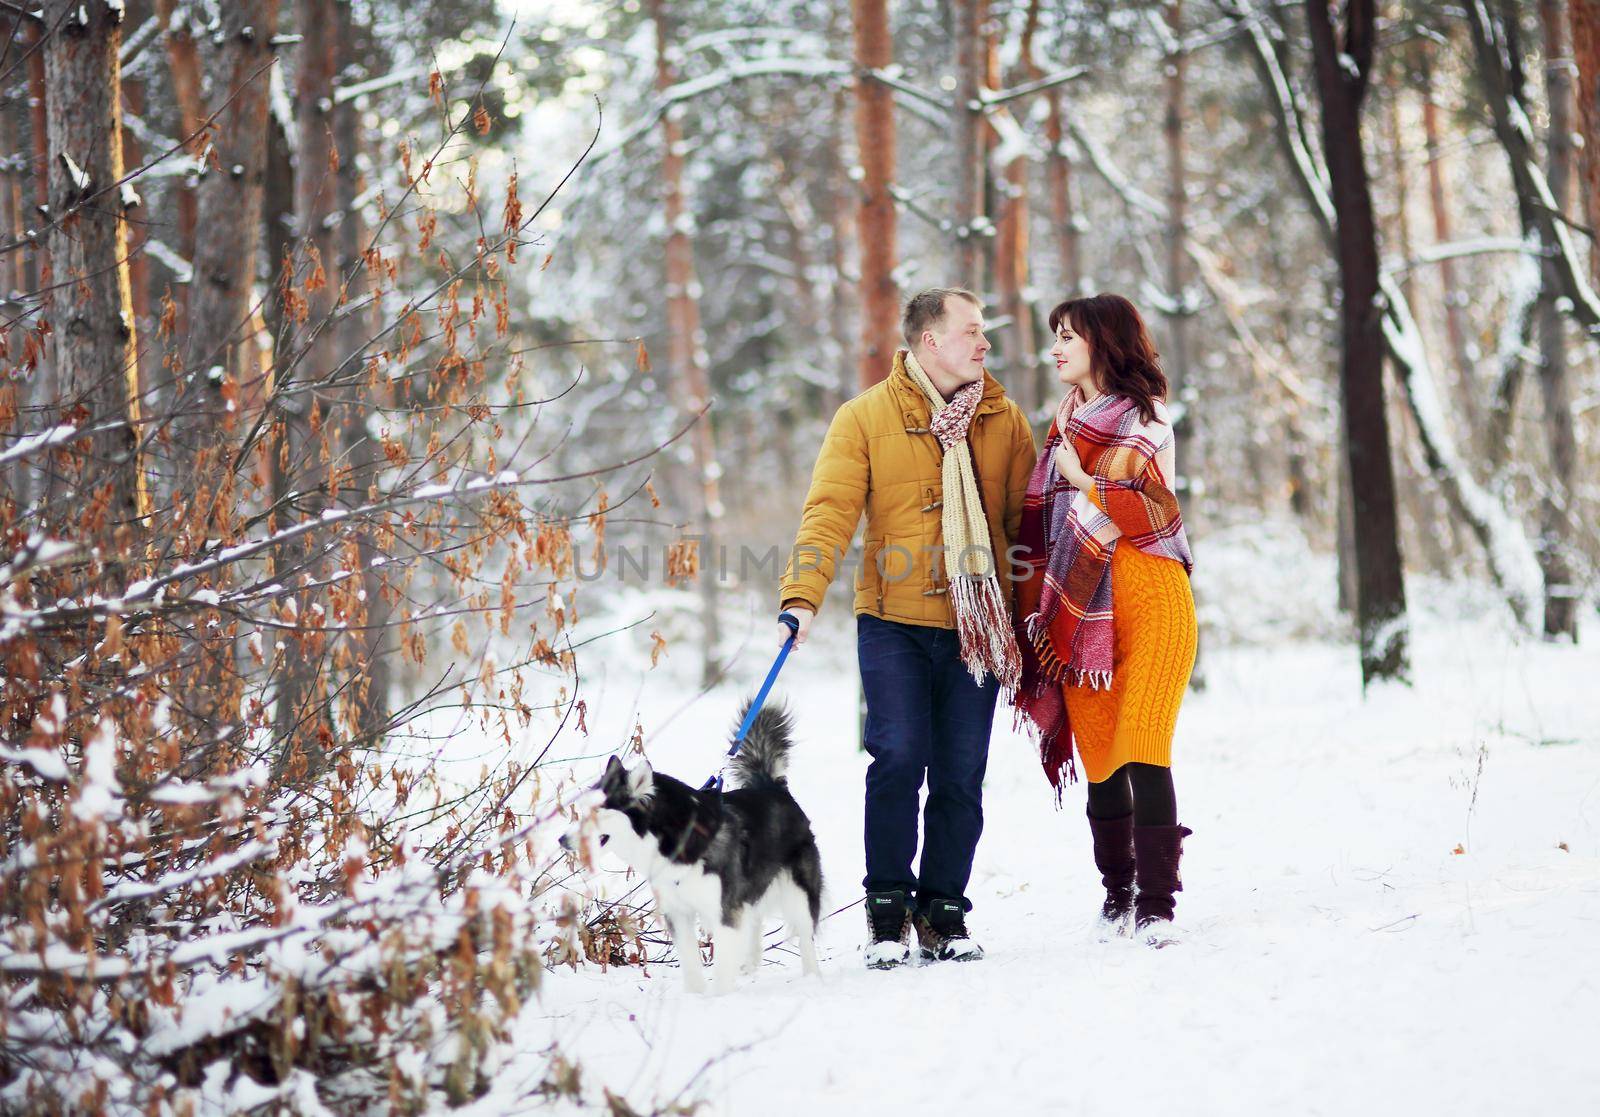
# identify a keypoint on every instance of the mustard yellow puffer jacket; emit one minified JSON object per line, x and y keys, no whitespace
{"x":880,"y":457}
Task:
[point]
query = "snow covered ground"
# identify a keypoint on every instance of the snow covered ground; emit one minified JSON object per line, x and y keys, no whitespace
{"x":1392,"y":902}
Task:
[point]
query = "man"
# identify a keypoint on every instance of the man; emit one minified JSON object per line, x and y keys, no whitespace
{"x":938,"y":457}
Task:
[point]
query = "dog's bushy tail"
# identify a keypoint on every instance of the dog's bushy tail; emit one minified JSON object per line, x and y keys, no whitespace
{"x":763,"y":759}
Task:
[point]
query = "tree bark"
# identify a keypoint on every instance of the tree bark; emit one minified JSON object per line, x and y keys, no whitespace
{"x":685,"y":341}
{"x":33,"y":190}
{"x":13,"y":267}
{"x":1177,"y":360}
{"x":1380,"y":585}
{"x":316,"y":185}
{"x":134,"y":101}
{"x":277,"y":225}
{"x":1585,"y":16}
{"x":845,"y":302}
{"x":1058,"y":169}
{"x":1402,"y":182}
{"x":1439,"y":201}
{"x":183,"y":60}
{"x":299,"y":462}
{"x":1011,"y":273}
{"x":18,"y":269}
{"x":969,"y":162}
{"x":1024,"y":370}
{"x":361,"y":449}
{"x":93,"y":345}
{"x":875,"y":146}
{"x":238,"y":60}
{"x":1556,"y":513}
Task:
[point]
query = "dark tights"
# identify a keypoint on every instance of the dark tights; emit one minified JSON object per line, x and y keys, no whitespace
{"x":1143,"y":790}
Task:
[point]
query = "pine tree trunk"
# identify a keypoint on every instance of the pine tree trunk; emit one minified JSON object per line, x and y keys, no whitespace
{"x":1402,"y":186}
{"x":238,"y":62}
{"x":845,"y":304}
{"x":1176,"y":360}
{"x":1439,"y":201}
{"x":316,"y":187}
{"x":875,"y":147}
{"x":1024,"y":370}
{"x":686,"y":347}
{"x":1380,"y":585}
{"x":92,"y":344}
{"x":1417,"y":505}
{"x":968,"y":162}
{"x":362,"y":450}
{"x":1022,"y":363}
{"x":18,"y":270}
{"x":1557,"y":525}
{"x":1058,"y":170}
{"x":277,"y":227}
{"x":183,"y":60}
{"x":1585,"y":16}
{"x":993,"y":188}
{"x":134,"y":102}
{"x":302,"y":713}
{"x":13,"y":272}
{"x":42,"y":387}
{"x":33,"y":38}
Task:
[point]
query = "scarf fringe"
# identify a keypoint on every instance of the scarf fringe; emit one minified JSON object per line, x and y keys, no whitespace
{"x":1097,"y":680}
{"x":984,"y":625}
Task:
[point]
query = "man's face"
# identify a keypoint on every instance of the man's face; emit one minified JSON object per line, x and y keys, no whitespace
{"x":956,"y":342}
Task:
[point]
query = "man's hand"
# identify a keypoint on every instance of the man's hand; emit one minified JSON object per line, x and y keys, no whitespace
{"x":1068,"y":465}
{"x":801,"y":614}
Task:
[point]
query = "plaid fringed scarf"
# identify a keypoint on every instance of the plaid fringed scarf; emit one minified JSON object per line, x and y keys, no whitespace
{"x":1064,"y":548}
{"x":983,"y":619}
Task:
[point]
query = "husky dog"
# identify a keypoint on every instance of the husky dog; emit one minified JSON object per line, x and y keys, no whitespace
{"x":724,"y":860}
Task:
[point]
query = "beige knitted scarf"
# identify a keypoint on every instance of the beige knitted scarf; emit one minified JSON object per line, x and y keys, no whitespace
{"x":977,"y":602}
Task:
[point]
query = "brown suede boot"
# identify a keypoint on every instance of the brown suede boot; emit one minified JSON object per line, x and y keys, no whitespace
{"x":1113,"y":856}
{"x":1156,"y":852}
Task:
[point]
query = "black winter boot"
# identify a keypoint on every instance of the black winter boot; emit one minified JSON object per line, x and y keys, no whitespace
{"x":888,"y":929}
{"x":942,"y":933}
{"x":1156,"y":853}
{"x":1113,"y":856}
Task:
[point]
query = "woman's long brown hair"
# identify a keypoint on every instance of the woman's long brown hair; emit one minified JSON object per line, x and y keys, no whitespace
{"x":1121,"y":352}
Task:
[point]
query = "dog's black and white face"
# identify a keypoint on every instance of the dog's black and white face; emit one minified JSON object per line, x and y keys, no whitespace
{"x":618,"y":816}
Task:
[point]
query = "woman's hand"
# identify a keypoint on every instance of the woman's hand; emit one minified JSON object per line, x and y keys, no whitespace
{"x":1068,"y":465}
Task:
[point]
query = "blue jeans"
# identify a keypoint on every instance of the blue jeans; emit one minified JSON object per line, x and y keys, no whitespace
{"x":925,"y":717}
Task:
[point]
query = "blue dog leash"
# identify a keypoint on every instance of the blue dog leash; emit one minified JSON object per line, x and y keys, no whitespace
{"x":788,"y":618}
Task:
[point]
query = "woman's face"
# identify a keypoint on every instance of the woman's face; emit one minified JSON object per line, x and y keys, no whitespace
{"x":1071,"y":353}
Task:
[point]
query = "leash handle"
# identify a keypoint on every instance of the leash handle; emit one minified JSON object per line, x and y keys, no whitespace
{"x":793,"y":622}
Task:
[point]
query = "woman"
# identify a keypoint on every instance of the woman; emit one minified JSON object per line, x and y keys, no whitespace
{"x":1107,"y":626}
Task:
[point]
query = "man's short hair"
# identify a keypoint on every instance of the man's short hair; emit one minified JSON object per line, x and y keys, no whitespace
{"x":925,"y":309}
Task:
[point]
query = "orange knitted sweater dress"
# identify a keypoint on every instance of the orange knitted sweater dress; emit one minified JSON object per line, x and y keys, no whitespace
{"x":1154,"y":638}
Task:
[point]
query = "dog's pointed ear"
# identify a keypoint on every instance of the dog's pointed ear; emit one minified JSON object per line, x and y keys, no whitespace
{"x":615,"y":773}
{"x":641,"y":779}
